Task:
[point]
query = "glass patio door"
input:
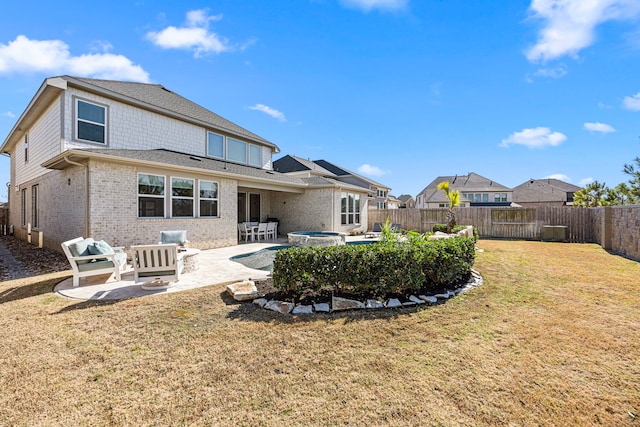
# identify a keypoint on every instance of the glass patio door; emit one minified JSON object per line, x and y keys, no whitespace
{"x":249,"y":207}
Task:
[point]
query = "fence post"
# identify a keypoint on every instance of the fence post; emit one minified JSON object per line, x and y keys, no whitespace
{"x":607,"y":228}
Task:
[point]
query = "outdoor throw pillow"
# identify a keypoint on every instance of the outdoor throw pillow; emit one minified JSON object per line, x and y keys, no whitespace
{"x":99,"y":248}
{"x":81,"y":248}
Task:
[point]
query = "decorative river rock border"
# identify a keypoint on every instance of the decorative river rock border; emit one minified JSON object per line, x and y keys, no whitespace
{"x":341,"y":304}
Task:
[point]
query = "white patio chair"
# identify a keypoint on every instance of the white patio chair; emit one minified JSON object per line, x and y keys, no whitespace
{"x":262,"y":231}
{"x":272,"y":231}
{"x":157,"y":262}
{"x":90,"y":258}
{"x":245,"y":232}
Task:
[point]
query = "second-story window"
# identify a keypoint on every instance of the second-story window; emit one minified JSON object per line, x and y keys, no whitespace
{"x":236,"y":150}
{"x":215,"y":145}
{"x":26,"y":147}
{"x":91,"y":122}
{"x":255,"y":155}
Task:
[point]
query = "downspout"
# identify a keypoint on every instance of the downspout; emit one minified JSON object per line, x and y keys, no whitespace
{"x":86,"y":202}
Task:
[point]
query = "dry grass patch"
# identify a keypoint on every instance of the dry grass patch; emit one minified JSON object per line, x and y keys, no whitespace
{"x":551,"y":338}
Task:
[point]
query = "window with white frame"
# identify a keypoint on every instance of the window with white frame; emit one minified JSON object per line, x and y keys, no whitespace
{"x":182,"y":197}
{"x":208,"y":198}
{"x":23,"y":207}
{"x":151,"y":195}
{"x":350,"y":208}
{"x":215,"y":145}
{"x":382,"y":205}
{"x":91,"y":122}
{"x":236,"y":150}
{"x":34,"y":206}
{"x":255,"y":155}
{"x":26,"y":147}
{"x":382,"y":193}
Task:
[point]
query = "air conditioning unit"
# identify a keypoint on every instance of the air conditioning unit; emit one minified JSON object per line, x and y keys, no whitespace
{"x":555,"y":233}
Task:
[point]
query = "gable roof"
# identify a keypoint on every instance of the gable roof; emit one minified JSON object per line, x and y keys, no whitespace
{"x":151,"y":97}
{"x":343,"y":173}
{"x":463,"y":183}
{"x":404,"y":198}
{"x":543,"y":190}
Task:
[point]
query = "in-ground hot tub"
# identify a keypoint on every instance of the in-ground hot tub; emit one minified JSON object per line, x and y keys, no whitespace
{"x":316,"y":238}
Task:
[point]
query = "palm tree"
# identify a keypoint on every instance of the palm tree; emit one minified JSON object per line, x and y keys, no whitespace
{"x":454,"y":200}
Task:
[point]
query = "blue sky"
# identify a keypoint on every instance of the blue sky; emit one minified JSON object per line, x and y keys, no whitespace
{"x":401,"y":91}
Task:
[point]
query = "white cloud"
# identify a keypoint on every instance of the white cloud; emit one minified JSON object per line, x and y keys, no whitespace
{"x":560,"y":176}
{"x":368,"y":5}
{"x":195,"y":35}
{"x":569,"y":25}
{"x":632,"y":102}
{"x":9,"y":114}
{"x":23,"y":55}
{"x":270,"y":111}
{"x":599,"y":127}
{"x":367,"y":169}
{"x":585,"y":181}
{"x":553,"y":73}
{"x":534,"y":138}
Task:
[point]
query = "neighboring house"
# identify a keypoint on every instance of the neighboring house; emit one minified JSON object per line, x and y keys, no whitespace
{"x":393,"y":202}
{"x":544,"y":192}
{"x":475,"y":190}
{"x":407,"y":201}
{"x":377,"y":194}
{"x":121,"y":161}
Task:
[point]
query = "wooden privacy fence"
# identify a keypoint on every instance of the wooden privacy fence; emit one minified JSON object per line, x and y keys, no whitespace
{"x":615,"y":228}
{"x":505,"y":223}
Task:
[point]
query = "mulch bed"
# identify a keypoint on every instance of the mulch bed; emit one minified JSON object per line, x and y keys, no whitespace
{"x":31,"y":260}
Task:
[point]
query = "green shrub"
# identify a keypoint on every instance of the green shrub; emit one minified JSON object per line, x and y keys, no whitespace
{"x":440,"y":227}
{"x":378,"y":269}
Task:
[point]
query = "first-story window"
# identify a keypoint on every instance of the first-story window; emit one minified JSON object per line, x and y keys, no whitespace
{"x":208,"y":195}
{"x":150,"y":196}
{"x":350,"y":208}
{"x":182,"y":197}
{"x":34,"y":206}
{"x":23,"y":207}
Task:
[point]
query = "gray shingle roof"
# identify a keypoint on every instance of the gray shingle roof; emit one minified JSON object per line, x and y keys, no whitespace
{"x":158,"y":96}
{"x":543,"y":190}
{"x":463,"y":183}
{"x":174,"y":158}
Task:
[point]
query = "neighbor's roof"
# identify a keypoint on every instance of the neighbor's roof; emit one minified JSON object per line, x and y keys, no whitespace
{"x":463,"y":183}
{"x":543,"y":190}
{"x":404,"y":198}
{"x":152,"y":97}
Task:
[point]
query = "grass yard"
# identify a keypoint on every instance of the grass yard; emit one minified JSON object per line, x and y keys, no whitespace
{"x":551,"y":338}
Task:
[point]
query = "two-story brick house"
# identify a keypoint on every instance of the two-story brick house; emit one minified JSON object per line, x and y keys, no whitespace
{"x":475,"y":190}
{"x":121,"y":161}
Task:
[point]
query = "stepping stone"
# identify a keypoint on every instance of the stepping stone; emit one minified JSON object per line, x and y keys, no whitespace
{"x":243,"y":291}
